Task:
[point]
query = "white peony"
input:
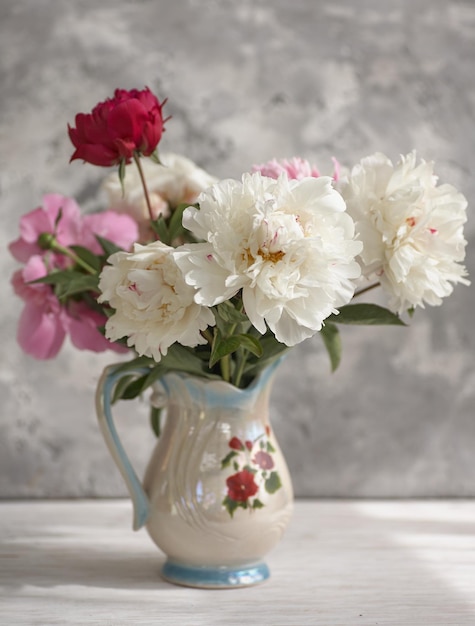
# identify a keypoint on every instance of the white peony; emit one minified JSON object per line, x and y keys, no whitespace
{"x":288,"y":244}
{"x":412,"y":229}
{"x":154,"y":307}
{"x":177,"y":180}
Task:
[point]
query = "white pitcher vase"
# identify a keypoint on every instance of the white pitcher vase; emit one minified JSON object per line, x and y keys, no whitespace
{"x":217,"y":494}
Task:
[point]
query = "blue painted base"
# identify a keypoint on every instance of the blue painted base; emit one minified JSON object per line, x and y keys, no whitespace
{"x":215,"y":577}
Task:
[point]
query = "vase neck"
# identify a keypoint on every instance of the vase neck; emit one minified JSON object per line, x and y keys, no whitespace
{"x":183,"y":389}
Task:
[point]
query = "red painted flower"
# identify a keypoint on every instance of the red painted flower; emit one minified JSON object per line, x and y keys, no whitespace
{"x":241,"y":486}
{"x":263,"y":460}
{"x":130,"y":122}
{"x":236,"y":444}
{"x":248,"y":445}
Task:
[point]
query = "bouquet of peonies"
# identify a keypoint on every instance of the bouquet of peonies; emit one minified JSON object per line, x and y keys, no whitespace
{"x":218,"y":278}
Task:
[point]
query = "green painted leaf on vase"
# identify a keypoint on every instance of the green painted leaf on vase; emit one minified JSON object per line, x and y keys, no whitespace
{"x":273,"y":483}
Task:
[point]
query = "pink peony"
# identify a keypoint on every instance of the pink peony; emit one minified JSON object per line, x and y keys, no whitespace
{"x":119,"y":228}
{"x":295,"y":168}
{"x":71,"y":229}
{"x":43,"y":220}
{"x":44,"y":322}
{"x":41,"y":328}
{"x":82,"y":324}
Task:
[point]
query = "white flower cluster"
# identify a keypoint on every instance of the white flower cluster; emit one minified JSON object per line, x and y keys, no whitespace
{"x":289,"y":248}
{"x":288,"y":244}
{"x":176,"y":179}
{"x":412,"y":229}
{"x":154,"y":307}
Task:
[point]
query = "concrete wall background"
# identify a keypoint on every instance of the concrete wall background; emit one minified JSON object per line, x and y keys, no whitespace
{"x":248,"y":81}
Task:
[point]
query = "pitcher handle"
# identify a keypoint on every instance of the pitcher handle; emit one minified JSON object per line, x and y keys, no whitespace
{"x":105,"y":388}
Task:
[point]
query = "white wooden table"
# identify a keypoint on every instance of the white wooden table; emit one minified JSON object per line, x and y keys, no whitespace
{"x":340,"y":563}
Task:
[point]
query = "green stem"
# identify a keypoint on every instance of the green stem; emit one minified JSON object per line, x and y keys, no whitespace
{"x":208,"y":336}
{"x":225,"y":363}
{"x":365,"y":289}
{"x":242,"y":358}
{"x":72,"y":255}
{"x":144,"y":185}
{"x":241,"y":362}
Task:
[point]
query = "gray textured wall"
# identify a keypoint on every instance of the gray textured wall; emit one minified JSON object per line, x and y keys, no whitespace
{"x":248,"y":81}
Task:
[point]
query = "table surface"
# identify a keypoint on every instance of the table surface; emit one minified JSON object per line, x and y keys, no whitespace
{"x":340,"y":563}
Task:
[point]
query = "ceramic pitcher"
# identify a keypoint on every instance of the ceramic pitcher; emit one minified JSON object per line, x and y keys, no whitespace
{"x":217,"y":495}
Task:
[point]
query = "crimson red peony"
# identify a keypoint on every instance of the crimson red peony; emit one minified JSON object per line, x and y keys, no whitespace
{"x":241,"y":486}
{"x":129,"y":123}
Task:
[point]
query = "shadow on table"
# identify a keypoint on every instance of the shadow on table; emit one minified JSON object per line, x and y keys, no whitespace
{"x":340,"y":563}
{"x":49,"y":566}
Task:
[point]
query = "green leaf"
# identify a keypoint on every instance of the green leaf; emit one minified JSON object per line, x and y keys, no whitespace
{"x":175,"y":226}
{"x":59,"y":217}
{"x":57,"y":278}
{"x":222,"y":347}
{"x":155,"y":415}
{"x":122,"y":175}
{"x":77,"y":285}
{"x":69,"y":282}
{"x":257,"y":504}
{"x":154,"y":157}
{"x":270,"y":448}
{"x":228,"y":313}
{"x":251,"y":343}
{"x":236,"y":466}
{"x":134,"y":364}
{"x":271,"y":350}
{"x":88,"y":257}
{"x":120,"y":387}
{"x":135,"y":388}
{"x":371,"y":314}
{"x":157,"y":372}
{"x":107,"y":246}
{"x":179,"y":358}
{"x":273,"y":483}
{"x":160,"y":227}
{"x":332,"y":340}
{"x":228,"y":458}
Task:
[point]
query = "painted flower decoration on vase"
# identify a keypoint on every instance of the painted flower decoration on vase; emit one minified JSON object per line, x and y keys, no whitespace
{"x":255,"y":478}
{"x":411,"y":229}
{"x":241,"y":486}
{"x":263,"y":460}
